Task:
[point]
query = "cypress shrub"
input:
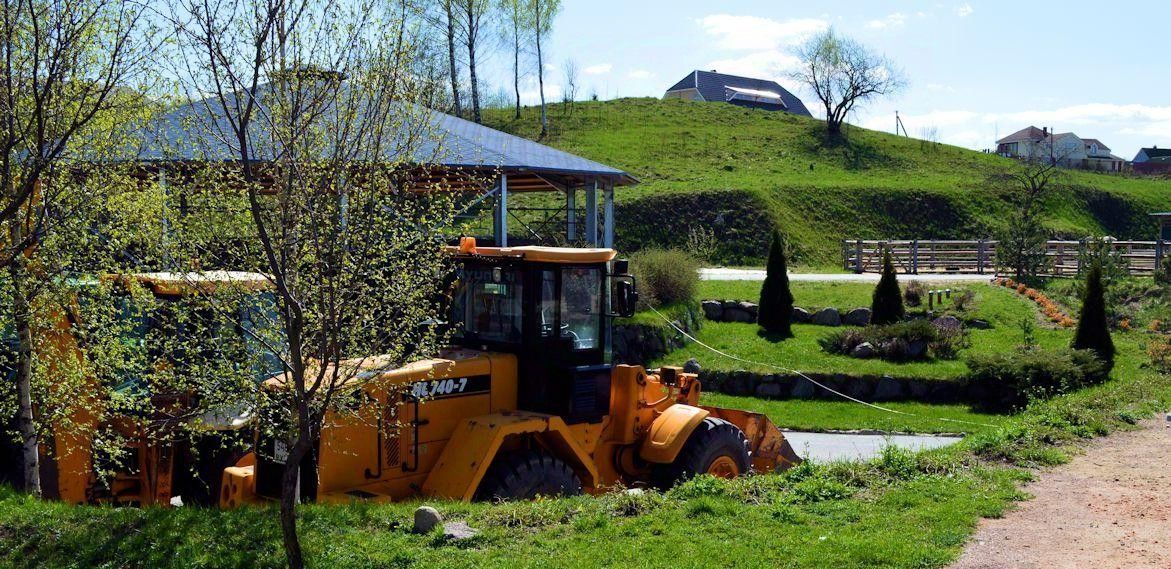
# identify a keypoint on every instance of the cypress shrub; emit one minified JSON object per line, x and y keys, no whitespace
{"x":776,"y":300}
{"x":1093,"y":330}
{"x":886,"y":307}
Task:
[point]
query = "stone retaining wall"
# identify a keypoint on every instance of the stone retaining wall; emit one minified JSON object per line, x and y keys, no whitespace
{"x":744,"y":311}
{"x":865,"y":387}
{"x":641,"y":343}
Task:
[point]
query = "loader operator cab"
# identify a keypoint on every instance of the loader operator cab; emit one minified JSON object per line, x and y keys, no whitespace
{"x":551,"y":307}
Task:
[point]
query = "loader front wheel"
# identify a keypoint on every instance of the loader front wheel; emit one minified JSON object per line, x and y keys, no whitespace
{"x":717,"y":447}
{"x":525,"y":475}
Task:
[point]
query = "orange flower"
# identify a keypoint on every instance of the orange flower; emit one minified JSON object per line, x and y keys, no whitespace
{"x":1124,"y":324}
{"x":1155,"y":325}
{"x":1021,"y":288}
{"x":1068,"y":322}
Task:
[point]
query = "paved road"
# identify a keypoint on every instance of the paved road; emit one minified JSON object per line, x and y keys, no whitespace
{"x":825,"y":447}
{"x":726,"y":274}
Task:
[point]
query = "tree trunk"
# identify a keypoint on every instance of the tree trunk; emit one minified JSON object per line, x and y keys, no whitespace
{"x":452,"y":67}
{"x":289,"y":487}
{"x":472,"y":32}
{"x":541,"y":70}
{"x":24,"y":372}
{"x":516,"y":61}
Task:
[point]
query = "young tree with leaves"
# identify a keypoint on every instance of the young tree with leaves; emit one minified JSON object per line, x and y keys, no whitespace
{"x":516,"y":24}
{"x":1022,"y":244}
{"x":67,"y":65}
{"x":471,"y":15}
{"x":1093,"y":328}
{"x":543,"y":12}
{"x":844,"y":74}
{"x":333,"y":165}
{"x":886,"y":306}
{"x":776,"y":300}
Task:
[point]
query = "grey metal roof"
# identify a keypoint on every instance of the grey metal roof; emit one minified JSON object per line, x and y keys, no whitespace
{"x":200,"y":131}
{"x":712,"y":87}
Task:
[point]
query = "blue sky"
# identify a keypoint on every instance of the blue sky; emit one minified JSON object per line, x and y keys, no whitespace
{"x":975,"y":69}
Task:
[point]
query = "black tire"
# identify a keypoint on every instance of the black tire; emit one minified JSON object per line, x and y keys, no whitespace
{"x":524,"y":475}
{"x":713,"y":440}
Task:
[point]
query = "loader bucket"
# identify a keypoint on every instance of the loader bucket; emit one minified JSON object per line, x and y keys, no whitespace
{"x":770,"y":451}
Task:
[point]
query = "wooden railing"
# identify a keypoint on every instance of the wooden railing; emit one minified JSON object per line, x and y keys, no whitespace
{"x":979,"y":256}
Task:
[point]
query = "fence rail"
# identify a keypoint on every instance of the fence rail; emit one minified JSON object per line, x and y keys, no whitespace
{"x":979,"y":256}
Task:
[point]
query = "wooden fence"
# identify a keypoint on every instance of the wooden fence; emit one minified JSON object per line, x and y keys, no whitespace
{"x":979,"y":257}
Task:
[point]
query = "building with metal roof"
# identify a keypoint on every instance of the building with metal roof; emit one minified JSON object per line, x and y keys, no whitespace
{"x":742,"y":91}
{"x":462,"y":152}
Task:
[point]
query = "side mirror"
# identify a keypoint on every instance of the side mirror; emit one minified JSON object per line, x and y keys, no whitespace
{"x":623,"y":296}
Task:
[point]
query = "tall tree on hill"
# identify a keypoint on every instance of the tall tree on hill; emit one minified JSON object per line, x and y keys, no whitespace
{"x":448,"y":23}
{"x":1093,"y":329}
{"x":543,"y":11}
{"x":65,"y":66}
{"x":886,"y":307}
{"x":471,"y":14}
{"x":844,"y":74}
{"x":516,"y":22}
{"x":776,"y":300}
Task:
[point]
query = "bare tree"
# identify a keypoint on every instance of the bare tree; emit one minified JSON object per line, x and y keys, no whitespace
{"x":314,"y":100}
{"x":571,"y":78}
{"x":543,"y":12}
{"x":515,"y":22}
{"x":66,"y":64}
{"x":471,"y":15}
{"x":843,"y":74}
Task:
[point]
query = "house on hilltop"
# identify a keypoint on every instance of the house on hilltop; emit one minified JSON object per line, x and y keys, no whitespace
{"x":742,"y":91}
{"x":1153,"y":160}
{"x":1065,"y":149}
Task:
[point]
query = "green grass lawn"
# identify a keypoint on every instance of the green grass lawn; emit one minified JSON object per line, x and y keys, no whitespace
{"x":1003,"y":309}
{"x":878,"y":186}
{"x":817,"y":415}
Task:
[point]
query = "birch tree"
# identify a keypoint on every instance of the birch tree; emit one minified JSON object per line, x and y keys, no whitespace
{"x":543,"y":13}
{"x":471,"y":16}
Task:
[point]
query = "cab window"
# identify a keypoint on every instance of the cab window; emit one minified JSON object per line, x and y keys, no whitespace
{"x":488,"y":305}
{"x":581,"y":304}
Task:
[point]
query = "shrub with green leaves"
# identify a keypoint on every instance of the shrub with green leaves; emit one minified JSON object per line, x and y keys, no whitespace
{"x":1093,"y":328}
{"x":1010,"y":380}
{"x":664,"y":276}
{"x":776,"y":300}
{"x":909,"y":340}
{"x":887,"y":305}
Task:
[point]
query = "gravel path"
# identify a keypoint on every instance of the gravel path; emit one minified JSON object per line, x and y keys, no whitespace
{"x":1108,"y":508}
{"x":725,"y":274}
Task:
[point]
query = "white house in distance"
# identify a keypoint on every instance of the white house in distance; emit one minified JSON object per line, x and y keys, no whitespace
{"x":1065,"y":149}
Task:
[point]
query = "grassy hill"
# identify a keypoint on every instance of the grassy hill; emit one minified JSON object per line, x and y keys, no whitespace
{"x":739,"y":170}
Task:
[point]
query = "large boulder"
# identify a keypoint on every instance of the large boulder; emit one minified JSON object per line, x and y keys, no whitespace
{"x":713,"y":310}
{"x":750,"y":307}
{"x":863,"y":351}
{"x":889,"y":389}
{"x":692,"y":366}
{"x":827,"y":317}
{"x":426,"y":519}
{"x":916,"y":349}
{"x":769,"y":390}
{"x":857,"y":317}
{"x":800,"y":315}
{"x":947,"y":323}
{"x":980,"y":324}
{"x":737,"y":314}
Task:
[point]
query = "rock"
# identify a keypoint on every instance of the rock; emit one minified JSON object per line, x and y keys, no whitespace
{"x":863,"y":351}
{"x":916,"y":349}
{"x":751,"y":308}
{"x":427,"y":519}
{"x":459,"y":530}
{"x":769,"y":390}
{"x":980,"y":324}
{"x":803,"y":388}
{"x":713,"y":310}
{"x":800,"y":315}
{"x":731,"y":304}
{"x":827,"y":317}
{"x":737,"y":314}
{"x":692,"y":366}
{"x":857,"y":317}
{"x":947,"y":323}
{"x":889,"y":389}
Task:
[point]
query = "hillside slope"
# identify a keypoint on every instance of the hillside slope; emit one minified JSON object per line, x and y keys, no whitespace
{"x":738,"y":170}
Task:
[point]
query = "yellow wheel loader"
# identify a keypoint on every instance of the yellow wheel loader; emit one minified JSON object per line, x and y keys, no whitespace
{"x":151,"y":467}
{"x":524,"y":403}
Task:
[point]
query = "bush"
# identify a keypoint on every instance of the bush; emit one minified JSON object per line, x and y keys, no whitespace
{"x":1012,"y":379}
{"x":893,"y":342}
{"x":887,"y":305}
{"x":1093,"y":329}
{"x":664,"y":276}
{"x":776,"y":300}
{"x":913,"y":293}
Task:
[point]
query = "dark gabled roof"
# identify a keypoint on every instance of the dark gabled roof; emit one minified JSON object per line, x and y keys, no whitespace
{"x":1030,"y":133}
{"x":1092,"y":141}
{"x":713,"y":86}
{"x":1156,"y":152}
{"x":199,"y":131}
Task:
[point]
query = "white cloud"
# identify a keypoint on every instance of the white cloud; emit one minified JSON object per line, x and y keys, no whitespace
{"x":598,"y":69}
{"x":964,"y":11}
{"x":940,"y":88}
{"x":894,"y":20}
{"x":640,"y":74}
{"x":755,"y":33}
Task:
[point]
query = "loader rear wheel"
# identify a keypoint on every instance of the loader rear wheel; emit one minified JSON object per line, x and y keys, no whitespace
{"x":717,"y":447}
{"x":524,"y":475}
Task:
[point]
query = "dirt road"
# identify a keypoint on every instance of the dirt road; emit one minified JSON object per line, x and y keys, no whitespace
{"x":1110,"y":507}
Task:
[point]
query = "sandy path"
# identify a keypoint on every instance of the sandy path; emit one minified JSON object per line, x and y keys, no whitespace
{"x":1110,"y":507}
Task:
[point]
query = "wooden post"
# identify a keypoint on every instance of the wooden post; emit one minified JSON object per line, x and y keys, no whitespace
{"x":571,"y":214}
{"x":1158,"y":254}
{"x":981,"y":257}
{"x":858,"y":257}
{"x":914,"y":256}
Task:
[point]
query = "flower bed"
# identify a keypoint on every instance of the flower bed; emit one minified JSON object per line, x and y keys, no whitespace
{"x":1050,"y":308}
